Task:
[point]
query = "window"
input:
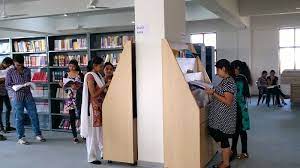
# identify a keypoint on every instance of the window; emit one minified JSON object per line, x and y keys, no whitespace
{"x":289,"y":48}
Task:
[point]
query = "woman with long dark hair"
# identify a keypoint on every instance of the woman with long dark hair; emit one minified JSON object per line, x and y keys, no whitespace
{"x":222,"y":111}
{"x":73,"y":102}
{"x":243,"y":79}
{"x":94,"y":89}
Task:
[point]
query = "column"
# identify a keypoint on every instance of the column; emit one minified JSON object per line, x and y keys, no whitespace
{"x":155,"y":20}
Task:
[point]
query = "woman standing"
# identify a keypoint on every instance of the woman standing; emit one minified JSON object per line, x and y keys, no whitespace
{"x":243,"y":79}
{"x":222,"y":111}
{"x":108,"y":71}
{"x":74,"y":93}
{"x":94,"y":89}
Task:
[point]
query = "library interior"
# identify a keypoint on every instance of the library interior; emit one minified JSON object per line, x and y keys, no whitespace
{"x":149,"y":84}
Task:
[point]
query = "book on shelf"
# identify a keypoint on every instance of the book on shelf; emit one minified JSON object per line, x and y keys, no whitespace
{"x":4,"y":48}
{"x":35,"y":60}
{"x":57,"y":76}
{"x":70,"y":44}
{"x":42,"y":106}
{"x":30,"y":46}
{"x":40,"y":76}
{"x":113,"y":58}
{"x":40,"y":91}
{"x":114,"y":41}
{"x":61,"y":93}
{"x":63,"y":60}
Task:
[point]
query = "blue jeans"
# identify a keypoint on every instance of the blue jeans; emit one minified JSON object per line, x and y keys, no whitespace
{"x":29,"y":105}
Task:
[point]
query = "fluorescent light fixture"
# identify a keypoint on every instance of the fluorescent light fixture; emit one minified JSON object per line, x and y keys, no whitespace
{"x":298,"y":8}
{"x":133,"y":22}
{"x":65,"y":15}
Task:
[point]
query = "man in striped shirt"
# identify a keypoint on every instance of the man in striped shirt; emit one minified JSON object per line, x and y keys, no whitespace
{"x":21,"y":99}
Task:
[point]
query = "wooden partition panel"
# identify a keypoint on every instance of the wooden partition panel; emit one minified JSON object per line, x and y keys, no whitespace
{"x":119,"y":125}
{"x":186,"y":141}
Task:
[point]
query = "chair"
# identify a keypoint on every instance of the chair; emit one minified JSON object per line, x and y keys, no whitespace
{"x":262,"y":93}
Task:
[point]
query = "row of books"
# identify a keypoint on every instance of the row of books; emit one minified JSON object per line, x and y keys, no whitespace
{"x":70,"y":44}
{"x":35,"y":60}
{"x":63,"y":60}
{"x":4,"y":48}
{"x":30,"y":46}
{"x":40,"y":91}
{"x":114,"y":41}
{"x":39,"y":76}
{"x":61,"y":93}
{"x":57,"y":76}
{"x":112,"y":58}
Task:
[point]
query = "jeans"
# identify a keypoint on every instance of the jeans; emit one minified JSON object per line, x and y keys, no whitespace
{"x":6,"y":101}
{"x":30,"y":107}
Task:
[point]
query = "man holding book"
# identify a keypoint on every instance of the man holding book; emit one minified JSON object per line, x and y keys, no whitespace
{"x":18,"y":85}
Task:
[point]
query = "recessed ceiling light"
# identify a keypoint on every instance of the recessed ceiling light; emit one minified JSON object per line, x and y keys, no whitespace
{"x":65,"y":15}
{"x":133,"y":22}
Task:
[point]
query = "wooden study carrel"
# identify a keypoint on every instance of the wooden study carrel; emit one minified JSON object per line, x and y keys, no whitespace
{"x":186,"y":140}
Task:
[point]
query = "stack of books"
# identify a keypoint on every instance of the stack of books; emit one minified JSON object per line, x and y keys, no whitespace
{"x":35,"y":60}
{"x":70,"y":44}
{"x":63,"y":60}
{"x":30,"y":46}
{"x":112,"y":58}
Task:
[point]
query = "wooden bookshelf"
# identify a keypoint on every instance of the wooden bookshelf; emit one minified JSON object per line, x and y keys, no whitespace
{"x":189,"y":145}
{"x":119,"y":112}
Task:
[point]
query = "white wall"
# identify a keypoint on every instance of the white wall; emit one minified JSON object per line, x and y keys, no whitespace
{"x":258,"y":46}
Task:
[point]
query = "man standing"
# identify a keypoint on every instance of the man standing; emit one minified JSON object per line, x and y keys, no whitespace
{"x":22,"y":98}
{"x":6,"y":63}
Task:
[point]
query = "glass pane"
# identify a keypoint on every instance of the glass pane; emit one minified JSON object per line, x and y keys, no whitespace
{"x":297,"y":36}
{"x":286,"y":58}
{"x":210,"y":39}
{"x":286,"y":37}
{"x":297,"y":58}
{"x":196,"y":38}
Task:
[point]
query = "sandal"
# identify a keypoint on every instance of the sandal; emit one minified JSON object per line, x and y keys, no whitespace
{"x":243,"y":156}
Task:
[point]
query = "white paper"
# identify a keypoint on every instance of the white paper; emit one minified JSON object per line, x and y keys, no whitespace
{"x":201,"y":84}
{"x":198,"y":76}
{"x":18,"y":87}
{"x":187,"y":64}
{"x":3,"y":73}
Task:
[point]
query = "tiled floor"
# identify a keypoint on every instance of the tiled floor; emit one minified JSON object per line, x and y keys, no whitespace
{"x":273,"y":142}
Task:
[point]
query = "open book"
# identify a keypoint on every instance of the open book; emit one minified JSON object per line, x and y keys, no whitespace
{"x":202,"y":85}
{"x":18,"y":87}
{"x":68,"y":82}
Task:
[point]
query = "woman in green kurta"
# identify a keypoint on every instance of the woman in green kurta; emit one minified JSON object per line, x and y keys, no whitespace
{"x":243,"y":80}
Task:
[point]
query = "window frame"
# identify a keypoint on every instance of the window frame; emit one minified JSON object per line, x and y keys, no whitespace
{"x":294,"y":47}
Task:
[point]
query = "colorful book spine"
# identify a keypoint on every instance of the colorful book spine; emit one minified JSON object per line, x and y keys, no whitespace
{"x":70,"y":44}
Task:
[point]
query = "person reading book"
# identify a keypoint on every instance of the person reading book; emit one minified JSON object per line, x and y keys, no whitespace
{"x":91,"y":111}
{"x":19,"y":75}
{"x":243,"y":79}
{"x":274,"y":89}
{"x":5,"y":65}
{"x":222,"y":111}
{"x":72,"y":84}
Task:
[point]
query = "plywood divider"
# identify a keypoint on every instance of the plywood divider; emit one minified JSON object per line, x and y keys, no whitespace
{"x":186,"y":142}
{"x":119,"y":125}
